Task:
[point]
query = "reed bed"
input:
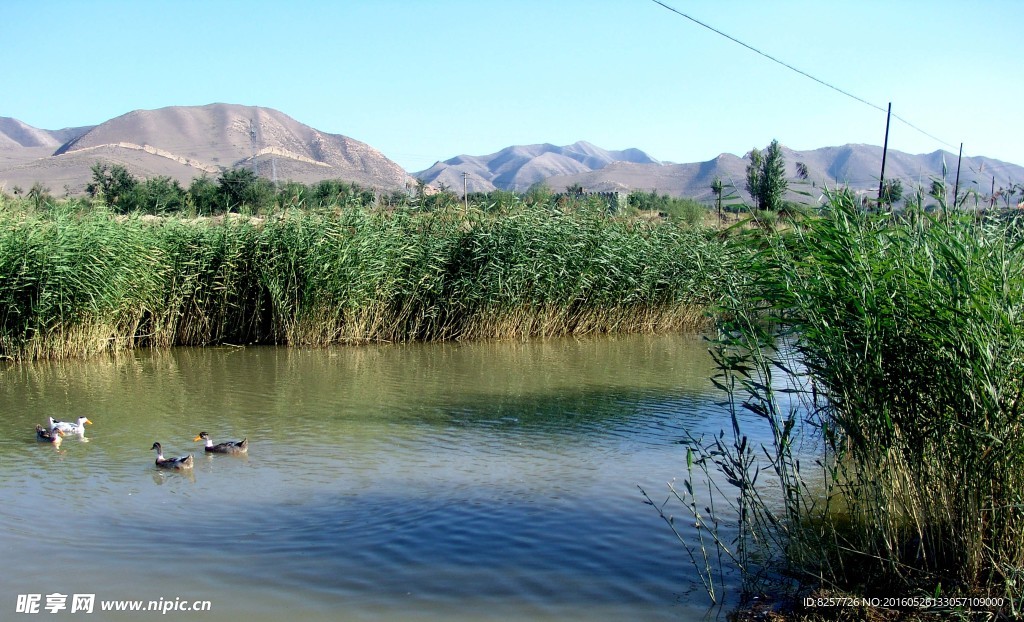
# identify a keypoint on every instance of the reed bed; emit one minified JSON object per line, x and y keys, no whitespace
{"x":897,"y":344}
{"x":77,"y":283}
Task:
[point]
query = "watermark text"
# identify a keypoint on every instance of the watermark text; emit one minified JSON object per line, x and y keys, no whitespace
{"x":58,"y":602}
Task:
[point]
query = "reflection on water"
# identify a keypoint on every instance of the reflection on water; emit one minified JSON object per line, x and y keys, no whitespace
{"x":423,"y":481}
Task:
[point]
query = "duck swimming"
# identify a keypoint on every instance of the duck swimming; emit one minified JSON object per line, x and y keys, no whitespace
{"x":70,"y":428}
{"x":229,"y":447}
{"x":182,"y":462}
{"x":49,"y":436}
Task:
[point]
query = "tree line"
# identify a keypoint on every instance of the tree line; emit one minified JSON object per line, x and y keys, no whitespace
{"x":232,"y":190}
{"x":239,"y":190}
{"x":242,"y":190}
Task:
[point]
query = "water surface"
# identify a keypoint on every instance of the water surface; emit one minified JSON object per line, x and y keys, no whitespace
{"x":486,"y":481}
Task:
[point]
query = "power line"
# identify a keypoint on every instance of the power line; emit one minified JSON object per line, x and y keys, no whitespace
{"x":914,"y":127}
{"x":768,"y":56}
{"x":799,"y":71}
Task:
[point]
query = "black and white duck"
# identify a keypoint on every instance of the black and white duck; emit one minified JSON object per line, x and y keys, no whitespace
{"x":181,"y":462}
{"x":229,"y":447}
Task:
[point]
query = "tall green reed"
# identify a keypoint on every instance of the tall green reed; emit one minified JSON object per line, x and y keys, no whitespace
{"x":898,"y":345}
{"x":74,"y":283}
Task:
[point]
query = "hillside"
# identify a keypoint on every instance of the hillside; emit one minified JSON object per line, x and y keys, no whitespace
{"x":521,"y":166}
{"x":14,"y":133}
{"x":857,"y":166}
{"x":184,"y":142}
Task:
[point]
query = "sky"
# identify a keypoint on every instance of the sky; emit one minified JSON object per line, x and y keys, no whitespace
{"x":423,"y":81}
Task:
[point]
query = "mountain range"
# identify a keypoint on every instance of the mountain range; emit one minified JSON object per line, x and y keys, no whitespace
{"x":597,"y":170}
{"x":855,"y":166}
{"x":521,"y":166}
{"x":184,"y":142}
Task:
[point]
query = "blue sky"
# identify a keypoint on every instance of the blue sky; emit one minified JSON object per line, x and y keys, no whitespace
{"x":423,"y":81}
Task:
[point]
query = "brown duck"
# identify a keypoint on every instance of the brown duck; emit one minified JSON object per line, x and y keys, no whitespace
{"x":49,"y":436}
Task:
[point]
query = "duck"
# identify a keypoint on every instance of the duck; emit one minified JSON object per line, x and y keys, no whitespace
{"x":70,"y":428}
{"x":182,"y":462}
{"x":49,"y":436}
{"x":229,"y":447}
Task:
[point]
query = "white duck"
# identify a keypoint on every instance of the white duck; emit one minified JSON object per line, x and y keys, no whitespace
{"x":70,"y":428}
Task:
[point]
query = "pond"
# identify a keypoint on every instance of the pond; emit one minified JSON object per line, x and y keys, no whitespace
{"x":446,"y":481}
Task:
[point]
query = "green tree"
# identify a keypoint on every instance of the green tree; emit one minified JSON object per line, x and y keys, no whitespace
{"x":113,"y":184}
{"x":538,"y":194}
{"x":645,"y":201}
{"x":421,"y":187}
{"x":293,"y":194}
{"x":157,"y":195}
{"x":802,"y":172}
{"x":773,"y":177}
{"x":754,"y":175}
{"x":766,"y":177}
{"x":38,"y":194}
{"x":203,"y":196}
{"x":717,"y":188}
{"x":338,"y":192}
{"x":892,"y":191}
{"x":241,"y":186}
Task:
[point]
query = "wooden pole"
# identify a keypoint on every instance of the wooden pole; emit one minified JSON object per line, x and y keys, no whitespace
{"x":956,"y":184}
{"x":885,"y":148}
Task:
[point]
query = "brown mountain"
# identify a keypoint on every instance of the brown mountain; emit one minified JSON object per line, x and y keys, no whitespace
{"x":184,"y":142}
{"x":521,"y":166}
{"x":856,"y":166}
{"x":14,"y":133}
{"x":21,"y":144}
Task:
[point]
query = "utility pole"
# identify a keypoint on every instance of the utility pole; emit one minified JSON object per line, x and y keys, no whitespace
{"x":956,"y":184}
{"x":465,"y":189}
{"x":885,"y":148}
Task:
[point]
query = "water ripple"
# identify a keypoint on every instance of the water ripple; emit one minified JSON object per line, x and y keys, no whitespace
{"x":458,"y":482}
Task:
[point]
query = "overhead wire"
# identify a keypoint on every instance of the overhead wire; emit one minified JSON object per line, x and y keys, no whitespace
{"x":799,"y":71}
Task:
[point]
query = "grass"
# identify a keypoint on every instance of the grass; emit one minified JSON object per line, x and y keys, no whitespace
{"x":895,"y":345}
{"x":77,"y":280}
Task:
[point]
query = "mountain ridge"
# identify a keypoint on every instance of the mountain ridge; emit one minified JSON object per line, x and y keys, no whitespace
{"x":184,"y":142}
{"x":518,"y":167}
{"x":857,"y":166}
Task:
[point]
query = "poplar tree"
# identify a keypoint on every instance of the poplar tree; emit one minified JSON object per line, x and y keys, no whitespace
{"x":766,"y":177}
